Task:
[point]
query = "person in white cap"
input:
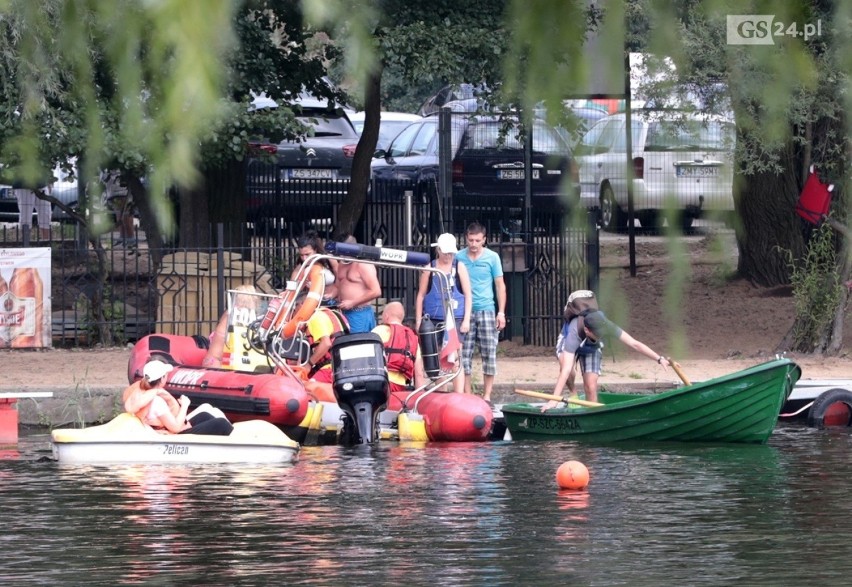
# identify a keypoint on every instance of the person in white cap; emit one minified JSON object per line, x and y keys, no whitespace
{"x":435,"y":293}
{"x":149,"y":401}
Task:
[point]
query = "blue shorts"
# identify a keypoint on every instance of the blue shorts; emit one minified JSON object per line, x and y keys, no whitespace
{"x":361,"y":319}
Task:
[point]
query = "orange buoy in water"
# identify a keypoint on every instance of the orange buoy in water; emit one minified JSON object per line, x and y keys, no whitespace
{"x":572,"y":475}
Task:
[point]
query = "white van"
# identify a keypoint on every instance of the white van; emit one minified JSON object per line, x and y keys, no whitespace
{"x":681,"y":161}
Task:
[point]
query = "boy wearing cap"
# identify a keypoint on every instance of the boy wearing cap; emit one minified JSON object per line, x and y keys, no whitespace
{"x":580,"y":342}
{"x":486,"y":279}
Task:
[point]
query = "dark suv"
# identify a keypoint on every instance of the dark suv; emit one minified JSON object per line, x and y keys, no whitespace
{"x":487,"y":163}
{"x":312,"y":171}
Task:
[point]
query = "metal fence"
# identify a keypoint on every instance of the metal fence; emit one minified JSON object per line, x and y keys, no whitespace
{"x":543,"y":259}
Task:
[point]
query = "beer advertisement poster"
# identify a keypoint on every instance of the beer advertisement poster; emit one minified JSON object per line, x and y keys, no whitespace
{"x":25,"y":298}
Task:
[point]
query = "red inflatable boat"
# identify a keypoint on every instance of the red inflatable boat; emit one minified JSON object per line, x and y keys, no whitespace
{"x":242,"y":395}
{"x":263,"y":353}
{"x":282,"y":400}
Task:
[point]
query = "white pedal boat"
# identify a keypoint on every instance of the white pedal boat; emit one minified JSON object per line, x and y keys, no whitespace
{"x":125,"y":439}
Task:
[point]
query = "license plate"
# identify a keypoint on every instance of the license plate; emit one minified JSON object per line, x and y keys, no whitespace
{"x":697,"y":170}
{"x":311,"y":174}
{"x":515,"y":174}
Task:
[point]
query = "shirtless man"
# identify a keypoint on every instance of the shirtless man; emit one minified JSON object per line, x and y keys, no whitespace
{"x":357,"y":288}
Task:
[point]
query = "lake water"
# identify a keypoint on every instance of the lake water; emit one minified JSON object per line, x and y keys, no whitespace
{"x":449,"y":514}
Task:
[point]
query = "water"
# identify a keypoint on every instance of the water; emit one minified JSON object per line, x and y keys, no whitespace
{"x":449,"y":514}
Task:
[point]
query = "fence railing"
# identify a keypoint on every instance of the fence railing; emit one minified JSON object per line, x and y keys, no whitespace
{"x":186,"y":293}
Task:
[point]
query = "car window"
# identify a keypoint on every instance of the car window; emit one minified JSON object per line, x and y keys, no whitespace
{"x":388,"y":129}
{"x":620,"y":143}
{"x":492,"y":135}
{"x":327,"y":124}
{"x":401,"y":144}
{"x":689,"y":135}
{"x":608,"y":135}
{"x":500,"y":135}
{"x":547,"y":140}
{"x":591,"y":138}
{"x":424,"y":137}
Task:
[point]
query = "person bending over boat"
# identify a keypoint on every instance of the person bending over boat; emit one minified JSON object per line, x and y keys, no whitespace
{"x":149,"y":401}
{"x":402,"y":350}
{"x":580,"y":342}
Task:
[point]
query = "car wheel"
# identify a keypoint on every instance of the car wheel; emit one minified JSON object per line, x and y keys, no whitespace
{"x":612,"y":216}
{"x":650,"y":219}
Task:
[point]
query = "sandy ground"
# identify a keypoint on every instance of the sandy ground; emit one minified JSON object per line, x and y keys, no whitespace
{"x":714,"y":326}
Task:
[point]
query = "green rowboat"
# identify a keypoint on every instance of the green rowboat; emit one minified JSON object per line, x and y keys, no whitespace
{"x":740,"y":407}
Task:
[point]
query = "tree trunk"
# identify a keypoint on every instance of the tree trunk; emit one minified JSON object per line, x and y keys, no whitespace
{"x":194,"y":217}
{"x":147,"y":204}
{"x":226,"y":192}
{"x":770,"y":225}
{"x":218,"y":197}
{"x":835,"y":344}
{"x":353,"y":206}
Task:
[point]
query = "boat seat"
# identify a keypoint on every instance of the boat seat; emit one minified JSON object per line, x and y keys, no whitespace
{"x":295,"y":349}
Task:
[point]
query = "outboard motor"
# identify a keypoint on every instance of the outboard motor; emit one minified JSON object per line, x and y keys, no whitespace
{"x":430,"y":347}
{"x":360,"y":384}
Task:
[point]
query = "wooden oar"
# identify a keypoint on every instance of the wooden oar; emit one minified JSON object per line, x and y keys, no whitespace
{"x":567,"y":400}
{"x":676,"y":366}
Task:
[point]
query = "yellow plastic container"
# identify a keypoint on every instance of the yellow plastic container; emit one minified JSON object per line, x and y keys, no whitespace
{"x":411,"y":427}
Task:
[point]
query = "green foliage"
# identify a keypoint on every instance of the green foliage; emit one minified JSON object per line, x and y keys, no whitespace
{"x":113,"y":317}
{"x":420,"y":47}
{"x":816,"y":289}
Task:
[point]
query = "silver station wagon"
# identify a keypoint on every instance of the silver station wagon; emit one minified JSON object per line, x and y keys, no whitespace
{"x":681,"y":161}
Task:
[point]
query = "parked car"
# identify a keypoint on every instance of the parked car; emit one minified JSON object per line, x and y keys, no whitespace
{"x":318,"y":163}
{"x":462,"y":97}
{"x":577,"y":118}
{"x":64,"y":189}
{"x":390,"y":125}
{"x":681,"y":160}
{"x":487,"y":161}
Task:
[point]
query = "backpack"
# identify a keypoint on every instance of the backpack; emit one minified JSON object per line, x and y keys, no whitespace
{"x":580,"y":303}
{"x":453,"y":271}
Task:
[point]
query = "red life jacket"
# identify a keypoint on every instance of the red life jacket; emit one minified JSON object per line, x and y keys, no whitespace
{"x":401,"y":350}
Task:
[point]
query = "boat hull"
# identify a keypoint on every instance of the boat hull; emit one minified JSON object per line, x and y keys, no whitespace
{"x":742,"y":407}
{"x":126,"y":440}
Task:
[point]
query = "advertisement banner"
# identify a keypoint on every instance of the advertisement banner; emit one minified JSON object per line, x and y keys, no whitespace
{"x":25,"y":298}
